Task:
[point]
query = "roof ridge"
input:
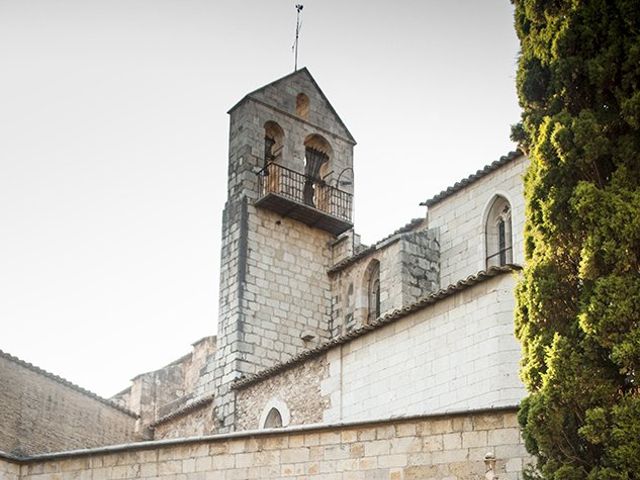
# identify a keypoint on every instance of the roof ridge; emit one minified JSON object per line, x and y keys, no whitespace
{"x":302,"y":70}
{"x":390,"y":317}
{"x":66,"y":383}
{"x":186,"y":408}
{"x":459,"y":185}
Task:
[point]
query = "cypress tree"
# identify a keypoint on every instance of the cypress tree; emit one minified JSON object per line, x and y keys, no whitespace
{"x":578,"y":303}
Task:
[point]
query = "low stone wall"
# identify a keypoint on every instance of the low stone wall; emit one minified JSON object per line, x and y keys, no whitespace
{"x":445,"y":447}
{"x":9,"y":470}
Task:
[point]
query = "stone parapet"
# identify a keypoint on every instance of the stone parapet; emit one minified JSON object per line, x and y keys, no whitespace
{"x":451,"y":447}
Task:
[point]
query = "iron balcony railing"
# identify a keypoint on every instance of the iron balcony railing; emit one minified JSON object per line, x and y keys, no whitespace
{"x":306,"y":190}
{"x":500,"y":258}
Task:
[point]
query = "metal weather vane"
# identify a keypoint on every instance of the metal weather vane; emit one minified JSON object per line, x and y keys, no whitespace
{"x":299,"y":8}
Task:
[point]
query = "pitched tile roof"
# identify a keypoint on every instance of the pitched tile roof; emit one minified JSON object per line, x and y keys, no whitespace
{"x":189,"y":407}
{"x":472,"y":178}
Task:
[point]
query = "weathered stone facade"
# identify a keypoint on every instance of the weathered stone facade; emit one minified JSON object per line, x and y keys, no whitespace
{"x":274,"y":288}
{"x":457,"y":354}
{"x":192,"y":420}
{"x":447,"y":446}
{"x":460,"y":218}
{"x":297,"y":388}
{"x":317,"y":331}
{"x":40,"y":412}
{"x":154,"y":395}
{"x":409,"y":267}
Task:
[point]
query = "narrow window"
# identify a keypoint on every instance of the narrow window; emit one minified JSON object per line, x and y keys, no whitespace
{"x":498,"y":233}
{"x":302,"y":106}
{"x":316,"y":161}
{"x":502,"y":244}
{"x":375,"y":298}
{"x":274,"y":419}
{"x":273,"y":141}
{"x":348,"y":318}
{"x":373,"y":290}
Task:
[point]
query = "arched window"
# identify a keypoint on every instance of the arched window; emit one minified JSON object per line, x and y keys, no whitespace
{"x":372,"y":285}
{"x":273,"y":141}
{"x":302,"y":106}
{"x":274,"y":419}
{"x":498,"y":234}
{"x":317,"y":156}
{"x":275,"y":414}
{"x":348,"y":306}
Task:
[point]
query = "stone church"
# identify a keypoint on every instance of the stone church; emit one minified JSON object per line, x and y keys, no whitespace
{"x":333,"y":359}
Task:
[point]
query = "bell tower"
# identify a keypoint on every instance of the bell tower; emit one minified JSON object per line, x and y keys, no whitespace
{"x":286,"y":203}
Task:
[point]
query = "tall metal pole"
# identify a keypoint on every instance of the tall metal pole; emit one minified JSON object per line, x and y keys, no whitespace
{"x":299,"y":8}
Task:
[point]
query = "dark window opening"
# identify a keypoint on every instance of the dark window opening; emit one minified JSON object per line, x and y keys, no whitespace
{"x":373,"y":291}
{"x":314,"y":159}
{"x":498,"y":233}
{"x":274,"y":419}
{"x":269,"y":156}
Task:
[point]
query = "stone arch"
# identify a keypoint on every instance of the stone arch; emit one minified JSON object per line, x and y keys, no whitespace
{"x":317,"y":167}
{"x":371,"y":285}
{"x":273,"y":141}
{"x":498,"y":232}
{"x":302,"y":106}
{"x":275,"y":414}
{"x":274,"y":419}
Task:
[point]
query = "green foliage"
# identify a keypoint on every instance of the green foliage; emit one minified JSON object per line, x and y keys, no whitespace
{"x":578,"y":304}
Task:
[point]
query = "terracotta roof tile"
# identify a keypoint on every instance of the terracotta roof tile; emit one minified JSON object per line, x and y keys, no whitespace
{"x":456,"y":187}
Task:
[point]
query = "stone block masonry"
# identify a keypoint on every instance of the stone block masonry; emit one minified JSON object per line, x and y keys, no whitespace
{"x":156,"y":394}
{"x":40,"y":412}
{"x":450,"y":447}
{"x":275,"y":296}
{"x":459,"y":353}
{"x":420,"y":272}
{"x":9,"y":470}
{"x":460,"y":219}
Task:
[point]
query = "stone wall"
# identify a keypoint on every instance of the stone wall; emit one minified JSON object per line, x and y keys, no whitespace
{"x":456,"y":354}
{"x":193,"y":422}
{"x":460,"y":220}
{"x":409,"y":269}
{"x":156,"y":394}
{"x":297,"y":389}
{"x":349,"y":287}
{"x":9,"y":470}
{"x":273,"y":289}
{"x":40,"y":412}
{"x":277,"y":102}
{"x":288,"y":290}
{"x":420,"y":273}
{"x":344,"y":246}
{"x":448,"y":447}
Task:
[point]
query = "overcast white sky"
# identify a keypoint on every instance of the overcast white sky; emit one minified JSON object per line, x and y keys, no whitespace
{"x":113,"y":150}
